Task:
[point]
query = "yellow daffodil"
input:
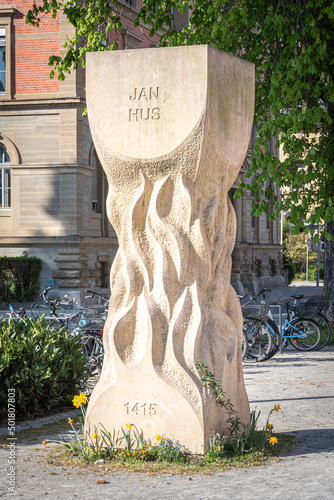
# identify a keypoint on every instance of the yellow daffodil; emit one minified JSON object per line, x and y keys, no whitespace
{"x":94,"y":435}
{"x":273,"y":440}
{"x":276,"y":408}
{"x":45,"y":442}
{"x":157,"y":437}
{"x":70,"y":420}
{"x":218,"y":448}
{"x":76,"y":401}
{"x":82,"y":398}
{"x":128,"y":426}
{"x":269,"y":426}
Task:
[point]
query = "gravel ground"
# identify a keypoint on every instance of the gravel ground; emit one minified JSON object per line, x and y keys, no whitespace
{"x":302,"y":383}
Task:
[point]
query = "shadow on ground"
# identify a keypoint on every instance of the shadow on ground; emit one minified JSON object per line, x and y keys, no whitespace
{"x":279,"y":400}
{"x":312,"y":441}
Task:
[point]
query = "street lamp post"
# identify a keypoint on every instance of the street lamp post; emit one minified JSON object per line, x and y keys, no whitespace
{"x":253,"y":244}
{"x":307,"y":249}
{"x":318,"y":258}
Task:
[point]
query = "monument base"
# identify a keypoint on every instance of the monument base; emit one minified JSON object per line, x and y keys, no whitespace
{"x":142,"y":398}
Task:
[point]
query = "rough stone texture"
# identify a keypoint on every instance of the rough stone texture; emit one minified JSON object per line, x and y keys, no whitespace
{"x":72,"y":265}
{"x":69,"y":283}
{"x":70,"y":258}
{"x":74,"y":251}
{"x":171,"y":139}
{"x":67,"y":274}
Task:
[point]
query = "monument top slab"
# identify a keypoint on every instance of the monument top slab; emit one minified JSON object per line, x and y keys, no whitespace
{"x":157,"y":97}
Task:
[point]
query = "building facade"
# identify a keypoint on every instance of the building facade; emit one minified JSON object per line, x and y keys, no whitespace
{"x":257,"y":259}
{"x":52,"y":187}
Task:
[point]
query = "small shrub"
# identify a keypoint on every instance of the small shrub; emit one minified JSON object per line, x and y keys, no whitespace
{"x":19,"y":278}
{"x":238,"y":438}
{"x":167,"y":450}
{"x":300,"y":277}
{"x":45,"y":366}
{"x":292,"y":271}
{"x":312,"y":272}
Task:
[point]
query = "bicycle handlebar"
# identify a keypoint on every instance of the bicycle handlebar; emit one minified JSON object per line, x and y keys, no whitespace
{"x":47,"y":300}
{"x":54,"y":303}
{"x":244,"y":295}
{"x":96,"y":293}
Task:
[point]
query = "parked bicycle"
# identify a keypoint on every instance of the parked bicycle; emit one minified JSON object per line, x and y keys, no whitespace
{"x":259,"y":338}
{"x":88,"y":322}
{"x":303,"y":333}
{"x":50,"y":309}
{"x":314,"y":308}
{"x":16,"y":315}
{"x":90,"y":326}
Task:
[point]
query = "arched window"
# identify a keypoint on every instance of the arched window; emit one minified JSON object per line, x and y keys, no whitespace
{"x":99,"y":191}
{"x":5,"y":201}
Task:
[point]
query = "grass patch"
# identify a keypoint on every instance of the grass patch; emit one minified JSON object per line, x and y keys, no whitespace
{"x":197,"y":464}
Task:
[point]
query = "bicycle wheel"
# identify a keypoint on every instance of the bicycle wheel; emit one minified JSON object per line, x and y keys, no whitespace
{"x":258,"y":339}
{"x":38,"y":310}
{"x":325,"y":330}
{"x":93,"y":349}
{"x":310,"y":331}
{"x":275,"y":337}
{"x":244,"y":348}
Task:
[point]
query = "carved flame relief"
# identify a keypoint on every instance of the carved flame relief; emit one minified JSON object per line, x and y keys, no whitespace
{"x":176,"y":231}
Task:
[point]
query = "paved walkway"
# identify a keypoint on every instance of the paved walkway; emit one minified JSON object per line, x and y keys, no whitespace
{"x":302,"y":383}
{"x":297,"y":287}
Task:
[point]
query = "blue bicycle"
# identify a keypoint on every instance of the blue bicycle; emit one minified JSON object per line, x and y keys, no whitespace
{"x":264,"y":338}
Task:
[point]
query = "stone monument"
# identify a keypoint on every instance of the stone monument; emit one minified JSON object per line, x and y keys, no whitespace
{"x":171,"y":127}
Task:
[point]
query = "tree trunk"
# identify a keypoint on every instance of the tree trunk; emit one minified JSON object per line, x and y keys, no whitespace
{"x":329,"y":273}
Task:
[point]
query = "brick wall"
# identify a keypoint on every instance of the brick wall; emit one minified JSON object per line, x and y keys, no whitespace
{"x":31,"y":48}
{"x":30,"y":68}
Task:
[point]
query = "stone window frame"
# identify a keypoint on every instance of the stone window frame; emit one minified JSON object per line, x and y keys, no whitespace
{"x":130,"y":39}
{"x":6,"y":13}
{"x":4,"y":167}
{"x":14,"y":161}
{"x":96,"y":181}
{"x":103,"y":265}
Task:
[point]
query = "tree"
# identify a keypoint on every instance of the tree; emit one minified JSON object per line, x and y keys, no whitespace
{"x":291,"y":44}
{"x":295,"y":252}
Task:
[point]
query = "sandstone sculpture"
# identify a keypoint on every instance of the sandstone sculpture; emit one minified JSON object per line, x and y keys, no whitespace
{"x":171,"y":127}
